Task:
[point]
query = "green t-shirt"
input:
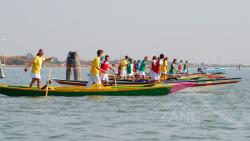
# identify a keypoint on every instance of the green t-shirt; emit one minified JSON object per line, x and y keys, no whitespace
{"x":142,"y":66}
{"x":130,"y":68}
{"x":172,"y":69}
{"x":185,"y":66}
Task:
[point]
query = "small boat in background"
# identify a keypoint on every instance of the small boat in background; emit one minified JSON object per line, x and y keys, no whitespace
{"x":217,"y":70}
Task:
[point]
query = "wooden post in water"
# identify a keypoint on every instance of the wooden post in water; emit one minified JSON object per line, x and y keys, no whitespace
{"x":1,"y":70}
{"x":73,"y":62}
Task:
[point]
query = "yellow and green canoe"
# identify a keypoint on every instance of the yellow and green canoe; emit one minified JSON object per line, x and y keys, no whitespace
{"x":76,"y":91}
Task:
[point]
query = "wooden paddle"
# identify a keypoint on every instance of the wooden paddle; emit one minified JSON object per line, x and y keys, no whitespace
{"x":48,"y":82}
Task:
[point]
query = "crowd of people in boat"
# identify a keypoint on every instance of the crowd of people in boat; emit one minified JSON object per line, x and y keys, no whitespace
{"x":154,"y":69}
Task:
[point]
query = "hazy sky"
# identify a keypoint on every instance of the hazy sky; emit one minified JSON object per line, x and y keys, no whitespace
{"x":211,"y":31}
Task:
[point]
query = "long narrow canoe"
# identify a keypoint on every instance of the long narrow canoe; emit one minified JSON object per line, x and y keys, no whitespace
{"x":144,"y":82}
{"x":84,"y":83}
{"x":199,"y":76}
{"x":76,"y":91}
{"x":210,"y":83}
{"x":218,"y":82}
{"x":184,"y":78}
{"x":204,"y":80}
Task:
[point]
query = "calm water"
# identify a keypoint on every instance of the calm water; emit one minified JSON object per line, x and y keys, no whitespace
{"x":208,"y":113}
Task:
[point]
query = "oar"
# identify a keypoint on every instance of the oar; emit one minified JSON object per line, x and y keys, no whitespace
{"x":49,"y":75}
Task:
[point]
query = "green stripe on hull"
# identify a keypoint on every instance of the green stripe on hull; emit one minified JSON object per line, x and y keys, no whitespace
{"x":124,"y":91}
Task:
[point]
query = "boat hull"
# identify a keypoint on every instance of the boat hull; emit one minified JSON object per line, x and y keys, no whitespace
{"x":131,"y":83}
{"x":80,"y":91}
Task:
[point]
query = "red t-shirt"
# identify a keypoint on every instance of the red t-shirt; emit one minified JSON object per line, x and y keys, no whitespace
{"x":105,"y":66}
{"x":156,"y":67}
{"x":180,"y":67}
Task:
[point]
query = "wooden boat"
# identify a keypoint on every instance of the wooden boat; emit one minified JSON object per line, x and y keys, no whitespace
{"x":76,"y":91}
{"x":141,"y":82}
{"x":199,"y":76}
{"x":204,"y":80}
{"x":84,"y":83}
{"x":184,"y":78}
{"x":212,"y":83}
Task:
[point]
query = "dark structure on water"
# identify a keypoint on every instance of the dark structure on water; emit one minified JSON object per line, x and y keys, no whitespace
{"x":73,"y":63}
{"x":1,"y":70}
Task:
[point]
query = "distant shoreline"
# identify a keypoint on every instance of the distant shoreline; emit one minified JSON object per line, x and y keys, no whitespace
{"x":63,"y":66}
{"x":59,"y":66}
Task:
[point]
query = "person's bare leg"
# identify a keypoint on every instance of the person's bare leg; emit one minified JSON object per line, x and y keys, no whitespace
{"x":38,"y":83}
{"x":32,"y":82}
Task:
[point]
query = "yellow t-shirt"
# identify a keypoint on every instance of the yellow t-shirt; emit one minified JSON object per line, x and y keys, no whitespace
{"x":124,"y":64}
{"x":95,"y":64}
{"x":164,"y":66}
{"x":37,"y":64}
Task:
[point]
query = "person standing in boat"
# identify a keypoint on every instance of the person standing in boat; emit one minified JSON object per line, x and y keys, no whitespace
{"x":185,"y":67}
{"x":156,"y":69}
{"x":123,"y":67}
{"x":153,"y":64}
{"x":138,"y":64}
{"x":95,"y":70}
{"x":36,"y":68}
{"x":135,"y":67}
{"x":180,"y":67}
{"x":173,"y":68}
{"x":165,"y":69}
{"x":130,"y":71}
{"x":142,"y":68}
{"x":160,"y":63}
{"x":105,"y":66}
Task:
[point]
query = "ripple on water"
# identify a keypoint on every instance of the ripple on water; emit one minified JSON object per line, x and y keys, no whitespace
{"x":208,"y":113}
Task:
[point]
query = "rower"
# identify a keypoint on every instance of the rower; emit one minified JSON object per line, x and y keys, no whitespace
{"x":180,"y":67}
{"x":164,"y":69}
{"x":135,"y":67}
{"x":153,"y":64}
{"x":130,"y":72}
{"x":173,"y":69}
{"x":95,"y":70}
{"x":142,"y":69}
{"x":123,"y":67}
{"x":185,"y":67}
{"x":156,"y":69}
{"x":36,"y":68}
{"x":105,"y":66}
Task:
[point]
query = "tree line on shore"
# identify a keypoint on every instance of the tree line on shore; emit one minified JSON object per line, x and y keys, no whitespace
{"x":24,"y":59}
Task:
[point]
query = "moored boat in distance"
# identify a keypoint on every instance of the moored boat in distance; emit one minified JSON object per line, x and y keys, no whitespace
{"x":217,"y":70}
